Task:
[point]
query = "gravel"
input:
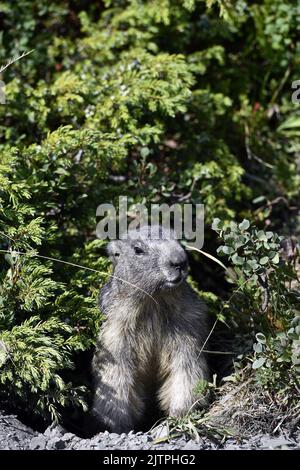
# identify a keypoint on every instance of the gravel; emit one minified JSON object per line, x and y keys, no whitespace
{"x":15,"y":435}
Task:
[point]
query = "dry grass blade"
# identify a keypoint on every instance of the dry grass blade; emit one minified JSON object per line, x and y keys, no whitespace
{"x":208,"y":336}
{"x":213,"y":258}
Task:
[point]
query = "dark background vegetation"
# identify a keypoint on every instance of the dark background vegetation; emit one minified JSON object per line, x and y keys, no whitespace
{"x":162,"y":101}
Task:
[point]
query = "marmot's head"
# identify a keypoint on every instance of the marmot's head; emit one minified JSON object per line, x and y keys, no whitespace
{"x":150,"y":258}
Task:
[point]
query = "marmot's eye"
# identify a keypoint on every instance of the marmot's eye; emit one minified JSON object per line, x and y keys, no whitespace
{"x":138,"y":250}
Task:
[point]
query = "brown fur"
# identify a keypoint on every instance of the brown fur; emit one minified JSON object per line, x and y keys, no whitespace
{"x":145,"y":342}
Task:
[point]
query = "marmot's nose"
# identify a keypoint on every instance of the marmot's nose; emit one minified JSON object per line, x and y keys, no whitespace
{"x":179,"y":265}
{"x":177,"y":270}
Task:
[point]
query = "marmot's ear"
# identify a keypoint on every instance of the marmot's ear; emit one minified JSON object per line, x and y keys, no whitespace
{"x":114,"y":251}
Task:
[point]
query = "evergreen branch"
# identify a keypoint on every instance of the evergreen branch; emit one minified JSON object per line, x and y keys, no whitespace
{"x":78,"y":266}
{"x":15,"y":59}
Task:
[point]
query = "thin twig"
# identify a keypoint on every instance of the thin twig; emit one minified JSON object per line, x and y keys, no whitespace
{"x":7,"y":236}
{"x":250,"y":153}
{"x":14,"y":59}
{"x":208,"y":336}
{"x":281,"y":84}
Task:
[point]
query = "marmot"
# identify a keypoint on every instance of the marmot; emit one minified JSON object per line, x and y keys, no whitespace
{"x":153,"y":333}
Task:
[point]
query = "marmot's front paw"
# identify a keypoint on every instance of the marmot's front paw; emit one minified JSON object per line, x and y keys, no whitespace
{"x":178,"y":412}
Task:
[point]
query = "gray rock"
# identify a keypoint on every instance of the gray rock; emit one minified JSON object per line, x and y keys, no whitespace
{"x":100,"y":446}
{"x":67,"y":437}
{"x":38,"y":443}
{"x":192,"y":445}
{"x":56,"y":443}
{"x":54,"y":430}
{"x":15,"y":435}
{"x":273,"y":443}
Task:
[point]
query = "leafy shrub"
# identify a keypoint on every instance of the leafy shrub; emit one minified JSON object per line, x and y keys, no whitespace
{"x":265,"y":297}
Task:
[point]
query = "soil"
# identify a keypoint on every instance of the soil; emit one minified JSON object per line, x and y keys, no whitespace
{"x":14,"y":435}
